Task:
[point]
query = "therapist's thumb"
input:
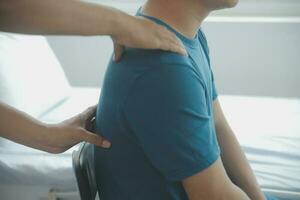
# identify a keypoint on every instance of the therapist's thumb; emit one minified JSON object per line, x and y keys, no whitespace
{"x":94,"y":139}
{"x":118,"y":52}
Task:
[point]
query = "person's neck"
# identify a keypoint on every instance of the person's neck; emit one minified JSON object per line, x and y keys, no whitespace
{"x":181,"y":15}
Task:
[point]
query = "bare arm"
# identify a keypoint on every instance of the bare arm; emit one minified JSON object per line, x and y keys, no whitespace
{"x":234,"y":159}
{"x":73,"y":17}
{"x":56,"y":138}
{"x":213,"y":184}
{"x":56,"y":17}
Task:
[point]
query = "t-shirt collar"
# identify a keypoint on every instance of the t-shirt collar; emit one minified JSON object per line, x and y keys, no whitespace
{"x":187,"y":41}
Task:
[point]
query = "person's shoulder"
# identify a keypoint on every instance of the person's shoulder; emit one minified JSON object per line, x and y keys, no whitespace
{"x":157,"y":64}
{"x":161,"y":69}
{"x":153,"y":58}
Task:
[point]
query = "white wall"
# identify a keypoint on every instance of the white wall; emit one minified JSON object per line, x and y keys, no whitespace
{"x":256,"y":58}
{"x":249,"y":57}
{"x":84,"y":59}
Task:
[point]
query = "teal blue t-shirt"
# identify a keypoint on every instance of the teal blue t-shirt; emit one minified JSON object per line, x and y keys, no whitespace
{"x":156,"y":109}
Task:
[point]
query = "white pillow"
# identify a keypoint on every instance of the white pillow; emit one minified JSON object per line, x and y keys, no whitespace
{"x":31,"y":78}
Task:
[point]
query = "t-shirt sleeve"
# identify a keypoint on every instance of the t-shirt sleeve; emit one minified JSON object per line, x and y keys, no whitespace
{"x":168,"y":113}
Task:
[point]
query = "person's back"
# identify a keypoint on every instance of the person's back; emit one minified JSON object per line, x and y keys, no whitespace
{"x":158,"y":110}
{"x":151,"y":135}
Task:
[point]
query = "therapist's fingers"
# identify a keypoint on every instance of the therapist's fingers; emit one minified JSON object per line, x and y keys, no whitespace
{"x":118,"y":52}
{"x":91,"y":124}
{"x":94,"y":139}
{"x":172,"y":47}
{"x":87,"y":121}
{"x":84,"y":118}
{"x":142,"y":33}
{"x":169,"y":42}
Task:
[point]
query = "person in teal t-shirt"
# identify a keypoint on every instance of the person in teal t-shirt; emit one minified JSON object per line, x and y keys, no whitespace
{"x":160,"y":111}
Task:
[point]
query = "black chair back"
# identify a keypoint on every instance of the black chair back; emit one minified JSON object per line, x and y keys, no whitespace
{"x":83,"y":166}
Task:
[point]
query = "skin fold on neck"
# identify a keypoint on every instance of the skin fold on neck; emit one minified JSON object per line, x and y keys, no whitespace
{"x":184,"y":16}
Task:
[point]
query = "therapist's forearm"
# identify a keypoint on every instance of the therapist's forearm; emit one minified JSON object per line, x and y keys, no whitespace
{"x":53,"y":138}
{"x":19,"y":127}
{"x":234,"y":159}
{"x":65,"y":17}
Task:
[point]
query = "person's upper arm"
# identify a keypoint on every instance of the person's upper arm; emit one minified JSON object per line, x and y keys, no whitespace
{"x":221,"y":124}
{"x":211,"y":183}
{"x":218,"y":113}
{"x":167,"y":111}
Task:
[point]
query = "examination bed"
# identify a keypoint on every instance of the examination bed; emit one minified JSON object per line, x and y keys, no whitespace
{"x":267,"y":128}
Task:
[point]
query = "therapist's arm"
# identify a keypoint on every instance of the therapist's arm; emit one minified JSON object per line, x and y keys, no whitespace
{"x":55,"y":138}
{"x":72,"y":17}
{"x":233,"y":157}
{"x":213,"y":184}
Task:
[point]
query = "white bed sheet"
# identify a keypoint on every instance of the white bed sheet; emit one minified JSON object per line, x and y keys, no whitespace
{"x":267,"y":128}
{"x":269,"y":131}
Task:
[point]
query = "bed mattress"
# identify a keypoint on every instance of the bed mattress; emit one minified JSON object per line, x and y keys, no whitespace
{"x":267,"y":128}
